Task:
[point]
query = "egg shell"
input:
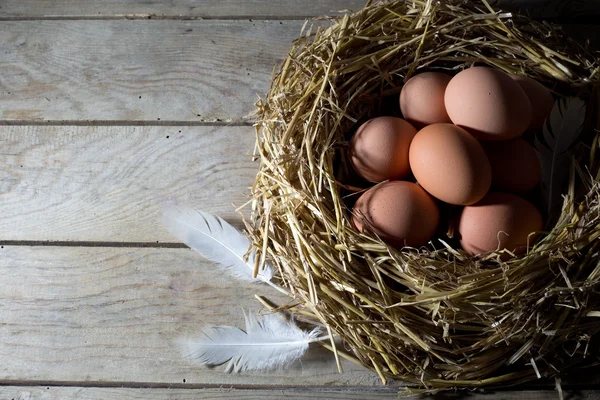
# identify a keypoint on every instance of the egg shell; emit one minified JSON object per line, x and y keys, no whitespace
{"x":379,"y":148}
{"x":540,"y":98}
{"x":515,"y":165}
{"x":488,"y":103}
{"x":400,"y":213}
{"x":450,"y":164}
{"x":422,"y":99}
{"x":499,"y":221}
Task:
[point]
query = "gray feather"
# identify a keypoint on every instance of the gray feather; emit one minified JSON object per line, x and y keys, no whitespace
{"x":555,"y":144}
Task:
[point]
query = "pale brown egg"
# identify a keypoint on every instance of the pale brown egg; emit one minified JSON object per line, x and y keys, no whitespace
{"x":450,"y":164}
{"x":499,"y":221}
{"x":515,"y":165}
{"x":400,"y":213}
{"x":488,"y":103}
{"x":379,"y":148}
{"x":422,"y":99}
{"x":540,"y":98}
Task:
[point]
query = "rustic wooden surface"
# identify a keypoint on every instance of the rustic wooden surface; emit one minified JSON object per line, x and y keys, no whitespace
{"x":78,"y":393}
{"x":123,"y":175}
{"x":132,"y":70}
{"x":105,"y":314}
{"x":109,"y":111}
{"x":236,"y":9}
{"x":189,"y":9}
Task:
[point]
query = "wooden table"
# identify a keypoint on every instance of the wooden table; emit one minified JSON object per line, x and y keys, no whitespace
{"x":109,"y":112}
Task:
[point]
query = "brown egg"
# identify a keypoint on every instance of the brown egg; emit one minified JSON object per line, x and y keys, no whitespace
{"x":379,"y":148}
{"x":499,"y":221}
{"x":488,"y":103}
{"x":450,"y":164}
{"x":422,"y":99}
{"x":400,"y":213}
{"x":540,"y":98}
{"x":515,"y":165}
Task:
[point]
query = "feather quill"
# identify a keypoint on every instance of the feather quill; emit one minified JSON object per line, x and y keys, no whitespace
{"x":216,"y":240}
{"x":268,"y":343}
{"x":554,"y":145}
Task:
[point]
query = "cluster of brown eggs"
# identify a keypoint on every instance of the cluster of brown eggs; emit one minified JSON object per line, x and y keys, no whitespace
{"x":458,"y":145}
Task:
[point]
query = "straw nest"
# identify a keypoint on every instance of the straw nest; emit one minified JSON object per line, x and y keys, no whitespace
{"x":431,"y":316}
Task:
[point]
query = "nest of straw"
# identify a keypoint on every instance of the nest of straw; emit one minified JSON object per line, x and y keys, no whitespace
{"x":433,"y":316}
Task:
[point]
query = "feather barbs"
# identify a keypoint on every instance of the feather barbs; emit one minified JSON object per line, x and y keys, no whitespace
{"x":269,"y":342}
{"x":215,"y":239}
{"x":561,"y":133}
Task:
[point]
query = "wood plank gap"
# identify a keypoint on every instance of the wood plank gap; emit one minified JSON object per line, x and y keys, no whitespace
{"x":167,"y":385}
{"x":370,"y":389}
{"x":216,"y":122}
{"x":572,"y":19}
{"x":78,"y":393}
{"x":67,"y":243}
{"x":158,"y":17}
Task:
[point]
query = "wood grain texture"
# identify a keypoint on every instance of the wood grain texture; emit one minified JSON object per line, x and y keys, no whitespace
{"x":190,"y":71}
{"x":109,"y":316}
{"x":90,"y":393}
{"x":76,"y":314}
{"x":110,"y":183}
{"x":138,"y":70}
{"x":555,"y":9}
{"x":175,"y":8}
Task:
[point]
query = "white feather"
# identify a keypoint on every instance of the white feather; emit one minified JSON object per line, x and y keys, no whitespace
{"x":269,"y":342}
{"x":216,"y":240}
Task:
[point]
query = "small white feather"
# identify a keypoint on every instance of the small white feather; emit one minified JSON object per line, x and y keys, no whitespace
{"x":269,"y":342}
{"x":216,"y":240}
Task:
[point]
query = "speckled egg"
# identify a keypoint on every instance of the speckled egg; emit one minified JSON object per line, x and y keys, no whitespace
{"x":450,"y":164}
{"x":515,"y":165}
{"x":400,"y":213}
{"x":499,"y":221}
{"x":488,"y":103}
{"x":422,"y":99}
{"x":540,"y":98}
{"x":379,"y":149}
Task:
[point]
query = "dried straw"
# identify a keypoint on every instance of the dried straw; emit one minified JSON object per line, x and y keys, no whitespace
{"x":432,"y":316}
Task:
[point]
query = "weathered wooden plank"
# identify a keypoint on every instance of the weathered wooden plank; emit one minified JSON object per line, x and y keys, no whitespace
{"x":141,"y":70}
{"x":138,"y":70}
{"x":91,"y":393}
{"x":110,"y":183}
{"x":110,"y":316}
{"x":79,"y":393}
{"x":175,"y":8}
{"x":563,"y":9}
{"x":77,"y":314}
